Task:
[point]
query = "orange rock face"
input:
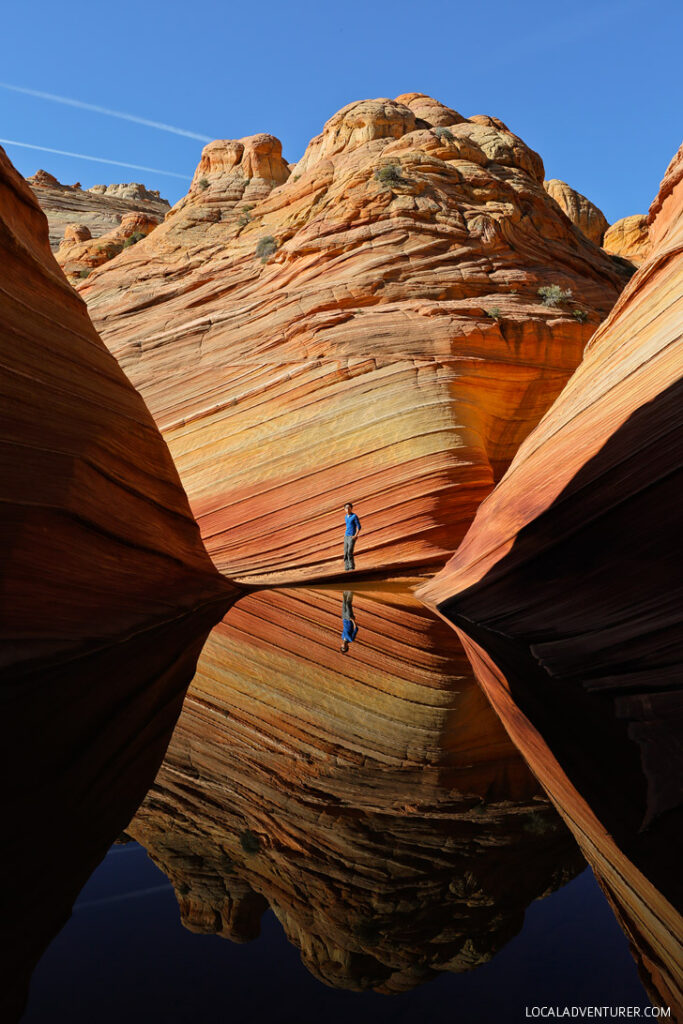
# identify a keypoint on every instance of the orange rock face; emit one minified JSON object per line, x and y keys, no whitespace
{"x":99,"y":208}
{"x":367,"y":327}
{"x":568,"y":594}
{"x":586,"y":215}
{"x":371,"y":798}
{"x":107,"y":591}
{"x":628,"y":237}
{"x":80,"y":253}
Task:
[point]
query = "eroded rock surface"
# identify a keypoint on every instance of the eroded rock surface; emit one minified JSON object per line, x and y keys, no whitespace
{"x":365,"y":325}
{"x":100,"y":208}
{"x":107,"y":591}
{"x":630,"y":238}
{"x":80,"y":253}
{"x":581,"y":211}
{"x":371,"y":799}
{"x":569,"y":598}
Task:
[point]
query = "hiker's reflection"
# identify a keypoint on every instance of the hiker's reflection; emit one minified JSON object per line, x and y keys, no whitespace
{"x":349,"y":627}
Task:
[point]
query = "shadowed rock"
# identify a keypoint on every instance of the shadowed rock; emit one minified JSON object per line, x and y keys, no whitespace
{"x":107,"y":592}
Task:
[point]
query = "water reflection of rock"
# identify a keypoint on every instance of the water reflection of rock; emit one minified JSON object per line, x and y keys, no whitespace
{"x":371,"y":798}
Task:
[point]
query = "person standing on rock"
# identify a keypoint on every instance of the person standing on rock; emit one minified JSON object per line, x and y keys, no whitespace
{"x":352,"y":531}
{"x":349,"y":627}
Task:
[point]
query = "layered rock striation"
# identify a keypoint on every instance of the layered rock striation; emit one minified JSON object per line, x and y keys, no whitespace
{"x":581,"y":211}
{"x":107,"y":591}
{"x":568,"y":594}
{"x":100,"y":208}
{"x":364,"y":325}
{"x":79,"y":253}
{"x":629,"y":238}
{"x":371,"y":799}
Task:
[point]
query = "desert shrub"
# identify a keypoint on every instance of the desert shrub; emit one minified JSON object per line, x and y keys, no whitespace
{"x":389,"y":174}
{"x":444,"y":134}
{"x":133,"y":239}
{"x":203,"y":184}
{"x":249,"y":841}
{"x":245,"y":215}
{"x":581,"y":315}
{"x":538,"y":824}
{"x":553,"y":295}
{"x":494,"y":313}
{"x":82,"y":274}
{"x":266,"y":247}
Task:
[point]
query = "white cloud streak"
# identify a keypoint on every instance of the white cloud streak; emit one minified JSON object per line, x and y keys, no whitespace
{"x":80,"y":105}
{"x":96,"y":159}
{"x":122,"y":897}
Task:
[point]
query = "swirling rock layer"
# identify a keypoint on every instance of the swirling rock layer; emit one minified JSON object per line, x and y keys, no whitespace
{"x":79,"y":253}
{"x":586,"y":215}
{"x":106,"y":591}
{"x":367,"y":328}
{"x":630,"y":238}
{"x":100,"y":208}
{"x":568,"y":592}
{"x":371,"y":799}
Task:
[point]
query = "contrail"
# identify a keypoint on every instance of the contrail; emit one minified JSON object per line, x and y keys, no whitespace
{"x":104,"y":110}
{"x":97,"y":159}
{"x":120,"y":897}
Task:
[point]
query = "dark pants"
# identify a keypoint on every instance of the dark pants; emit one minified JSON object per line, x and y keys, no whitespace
{"x":349,"y":544}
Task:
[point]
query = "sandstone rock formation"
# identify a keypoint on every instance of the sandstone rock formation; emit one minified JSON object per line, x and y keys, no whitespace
{"x":568,"y":592}
{"x":80,"y":253}
{"x":586,"y":215}
{"x":100,"y":208}
{"x":366,"y":327}
{"x":371,"y":799}
{"x":628,"y":237}
{"x":129,"y":190}
{"x":107,"y":591}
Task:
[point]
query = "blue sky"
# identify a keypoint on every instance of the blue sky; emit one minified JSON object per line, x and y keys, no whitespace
{"x":594,"y":87}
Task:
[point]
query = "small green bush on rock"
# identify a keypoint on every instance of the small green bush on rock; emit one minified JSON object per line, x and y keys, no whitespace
{"x":133,"y":239}
{"x":203,"y":184}
{"x":266,"y":246}
{"x":581,"y":315}
{"x":553,"y":295}
{"x":389,"y":174}
{"x":444,"y":134}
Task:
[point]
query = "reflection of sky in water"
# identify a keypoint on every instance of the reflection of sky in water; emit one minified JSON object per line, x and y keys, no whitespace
{"x":126,"y":957}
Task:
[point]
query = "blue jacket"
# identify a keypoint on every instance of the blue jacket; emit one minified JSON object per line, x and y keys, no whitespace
{"x":348,"y":632}
{"x":352,"y":525}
